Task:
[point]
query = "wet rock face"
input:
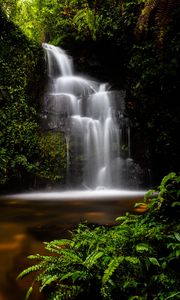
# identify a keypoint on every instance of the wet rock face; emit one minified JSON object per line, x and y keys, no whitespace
{"x":100,"y":60}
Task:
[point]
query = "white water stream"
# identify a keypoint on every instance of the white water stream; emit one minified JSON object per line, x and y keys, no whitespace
{"x":86,"y":111}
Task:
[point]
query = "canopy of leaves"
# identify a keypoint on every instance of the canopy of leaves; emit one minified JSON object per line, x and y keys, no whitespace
{"x":59,"y":21}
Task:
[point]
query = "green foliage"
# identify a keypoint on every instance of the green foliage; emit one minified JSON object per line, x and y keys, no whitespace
{"x":137,"y":259}
{"x":153,"y":86}
{"x":18,"y":63}
{"x":163,"y":11}
{"x":52,"y":162}
{"x":87,"y":21}
{"x":26,"y":155}
{"x":102,"y":33}
{"x":82,"y":20}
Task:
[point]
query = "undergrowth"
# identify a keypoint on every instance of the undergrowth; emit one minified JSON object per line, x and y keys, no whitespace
{"x":136,"y":259}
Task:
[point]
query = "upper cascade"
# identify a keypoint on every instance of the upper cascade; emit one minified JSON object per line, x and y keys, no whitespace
{"x":87,"y":112}
{"x":58,"y":61}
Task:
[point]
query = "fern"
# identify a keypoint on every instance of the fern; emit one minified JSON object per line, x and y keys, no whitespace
{"x":174,"y":295}
{"x":144,"y":17}
{"x":29,"y":292}
{"x":87,"y":19}
{"x":57,"y":245}
{"x":47,"y":280}
{"x":30,"y":270}
{"x":91,"y":260}
{"x":143,"y":247}
{"x":135,"y":260}
{"x":77,"y":275}
{"x":113,"y":265}
{"x":163,"y":15}
{"x":36,"y":256}
{"x":70,"y":255}
{"x":105,"y":292}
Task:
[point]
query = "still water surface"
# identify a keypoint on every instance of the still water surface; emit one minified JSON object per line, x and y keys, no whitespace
{"x":27,"y":220}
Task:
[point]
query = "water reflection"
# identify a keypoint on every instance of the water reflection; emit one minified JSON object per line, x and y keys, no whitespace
{"x":24,"y":224}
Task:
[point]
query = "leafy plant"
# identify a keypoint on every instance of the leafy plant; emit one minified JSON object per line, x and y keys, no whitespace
{"x":26,"y":154}
{"x":163,"y":11}
{"x":137,"y":259}
{"x":88,"y":21}
{"x":52,"y":163}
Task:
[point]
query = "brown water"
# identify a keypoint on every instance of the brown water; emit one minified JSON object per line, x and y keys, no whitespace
{"x":25,"y":224}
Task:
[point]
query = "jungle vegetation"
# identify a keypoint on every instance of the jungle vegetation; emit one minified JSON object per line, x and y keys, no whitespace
{"x":26,"y":152}
{"x":136,"y":259}
{"x":133,"y":44}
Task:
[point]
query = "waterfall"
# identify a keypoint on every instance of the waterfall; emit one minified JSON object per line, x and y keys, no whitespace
{"x":85,"y":110}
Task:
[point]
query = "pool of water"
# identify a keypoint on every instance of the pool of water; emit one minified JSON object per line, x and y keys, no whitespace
{"x":26,"y":220}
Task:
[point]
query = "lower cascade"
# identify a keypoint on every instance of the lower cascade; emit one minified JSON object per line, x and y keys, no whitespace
{"x":92,"y":118}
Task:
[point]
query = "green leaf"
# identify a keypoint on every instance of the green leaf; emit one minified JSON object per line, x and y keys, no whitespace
{"x":29,"y":270}
{"x":175,"y":204}
{"x":164,"y":265}
{"x":177,"y":236}
{"x":142,"y":247}
{"x":130,"y":283}
{"x":154,"y":261}
{"x":132,"y":260}
{"x":29,"y":293}
{"x":92,"y":259}
{"x":113,"y":265}
{"x":75,"y":275}
{"x":170,"y":176}
{"x":172,"y":295}
{"x":149,"y":194}
{"x":58,"y":245}
{"x":121,"y":218}
{"x":48,"y":281}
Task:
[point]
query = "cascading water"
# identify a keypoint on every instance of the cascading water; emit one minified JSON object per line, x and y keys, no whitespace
{"x":86,"y":112}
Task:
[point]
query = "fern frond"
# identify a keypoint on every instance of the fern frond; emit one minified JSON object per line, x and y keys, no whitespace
{"x":144,"y":17}
{"x":105,"y":292}
{"x":129,"y":284}
{"x":86,"y":18}
{"x":47,"y":280}
{"x":29,"y":292}
{"x":143,"y":247}
{"x":76,"y":275}
{"x":70,"y":255}
{"x":121,"y":218}
{"x":133,"y":260}
{"x":91,"y":260}
{"x":37,"y":256}
{"x":57,"y":245}
{"x":113,"y":265}
{"x":86,"y":15}
{"x":173,"y":295}
{"x":163,"y":15}
{"x":30,"y":270}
